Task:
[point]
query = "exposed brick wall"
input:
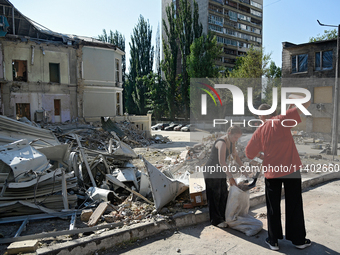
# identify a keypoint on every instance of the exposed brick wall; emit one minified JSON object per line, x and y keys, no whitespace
{"x":315,"y":81}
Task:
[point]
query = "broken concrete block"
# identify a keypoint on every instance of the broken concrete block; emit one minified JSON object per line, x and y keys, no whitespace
{"x":23,"y":247}
{"x":86,"y":214}
{"x":110,"y":218}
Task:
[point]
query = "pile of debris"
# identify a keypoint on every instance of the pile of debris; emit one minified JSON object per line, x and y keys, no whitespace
{"x":87,"y":170}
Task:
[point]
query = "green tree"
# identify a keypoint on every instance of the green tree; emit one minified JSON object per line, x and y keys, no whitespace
{"x":273,"y":80}
{"x":169,"y":63}
{"x":252,"y":65}
{"x":248,"y":72}
{"x":141,"y":63}
{"x":156,"y":100}
{"x":328,"y":35}
{"x":187,"y":28}
{"x":201,"y":61}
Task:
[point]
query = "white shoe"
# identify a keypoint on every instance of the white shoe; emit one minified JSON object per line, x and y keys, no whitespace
{"x":222,"y":225}
{"x":274,"y":247}
{"x":306,"y":244}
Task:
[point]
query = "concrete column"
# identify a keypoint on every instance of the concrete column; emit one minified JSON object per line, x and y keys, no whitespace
{"x":115,"y":104}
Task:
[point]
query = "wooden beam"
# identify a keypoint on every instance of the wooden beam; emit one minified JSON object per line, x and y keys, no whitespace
{"x":97,"y":214}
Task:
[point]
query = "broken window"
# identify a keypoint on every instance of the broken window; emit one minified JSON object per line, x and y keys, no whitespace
{"x":324,"y":60}
{"x":23,"y":110}
{"x":19,"y":70}
{"x":54,"y":72}
{"x":299,"y":63}
{"x":117,"y":104}
{"x":117,"y":71}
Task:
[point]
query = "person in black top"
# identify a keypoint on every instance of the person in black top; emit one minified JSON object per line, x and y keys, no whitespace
{"x":216,"y":171}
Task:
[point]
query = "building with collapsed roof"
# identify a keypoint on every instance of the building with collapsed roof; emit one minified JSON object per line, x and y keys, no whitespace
{"x":312,"y":66}
{"x":56,"y":77}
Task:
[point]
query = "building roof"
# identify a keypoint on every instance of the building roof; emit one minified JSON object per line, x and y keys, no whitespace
{"x":286,"y":45}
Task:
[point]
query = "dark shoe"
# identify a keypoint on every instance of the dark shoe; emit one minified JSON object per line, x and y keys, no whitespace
{"x":304,"y":245}
{"x":272,"y":246}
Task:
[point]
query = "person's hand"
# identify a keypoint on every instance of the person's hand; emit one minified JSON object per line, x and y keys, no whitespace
{"x":232,"y":182}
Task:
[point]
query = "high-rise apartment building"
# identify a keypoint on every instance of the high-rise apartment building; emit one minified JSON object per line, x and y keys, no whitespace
{"x":237,"y":25}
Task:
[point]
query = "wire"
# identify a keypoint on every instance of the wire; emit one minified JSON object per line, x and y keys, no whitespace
{"x":272,"y":3}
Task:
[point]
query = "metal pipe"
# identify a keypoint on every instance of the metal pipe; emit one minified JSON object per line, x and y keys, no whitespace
{"x":13,"y":20}
{"x":336,"y":95}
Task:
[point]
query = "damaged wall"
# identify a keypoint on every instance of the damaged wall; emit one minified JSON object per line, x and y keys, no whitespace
{"x":36,"y":87}
{"x":142,"y":122}
{"x":319,"y":81}
{"x":102,"y":80}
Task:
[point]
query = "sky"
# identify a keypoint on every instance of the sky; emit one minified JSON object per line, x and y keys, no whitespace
{"x":292,"y":21}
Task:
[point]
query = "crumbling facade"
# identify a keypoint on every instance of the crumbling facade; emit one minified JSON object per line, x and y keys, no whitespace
{"x":52,"y":77}
{"x":312,"y":66}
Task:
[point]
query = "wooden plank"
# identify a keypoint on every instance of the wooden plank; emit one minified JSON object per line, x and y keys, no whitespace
{"x":22,"y":247}
{"x":83,"y":156}
{"x":97,"y":214}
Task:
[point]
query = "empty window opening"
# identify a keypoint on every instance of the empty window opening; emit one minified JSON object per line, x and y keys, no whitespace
{"x":117,"y":71}
{"x":54,"y":72}
{"x":23,"y":110}
{"x":57,"y":108}
{"x":117,"y":103}
{"x":19,"y":70}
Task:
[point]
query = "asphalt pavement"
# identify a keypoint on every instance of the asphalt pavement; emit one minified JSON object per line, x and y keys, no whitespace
{"x":321,"y":209}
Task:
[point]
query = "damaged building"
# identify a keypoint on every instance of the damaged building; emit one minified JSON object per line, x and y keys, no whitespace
{"x":312,"y":66}
{"x":54,"y":77}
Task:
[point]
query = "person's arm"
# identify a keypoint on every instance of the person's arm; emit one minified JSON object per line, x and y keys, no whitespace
{"x":236,"y":157}
{"x":294,"y":96}
{"x":253,"y":148}
{"x":222,"y":149}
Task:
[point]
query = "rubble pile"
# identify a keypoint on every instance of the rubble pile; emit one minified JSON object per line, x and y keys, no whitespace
{"x":85,"y":168}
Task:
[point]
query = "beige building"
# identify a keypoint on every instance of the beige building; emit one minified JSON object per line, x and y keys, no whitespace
{"x":237,"y":25}
{"x":56,"y":77}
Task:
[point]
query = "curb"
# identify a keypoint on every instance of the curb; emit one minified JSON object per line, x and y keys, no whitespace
{"x":108,"y":239}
